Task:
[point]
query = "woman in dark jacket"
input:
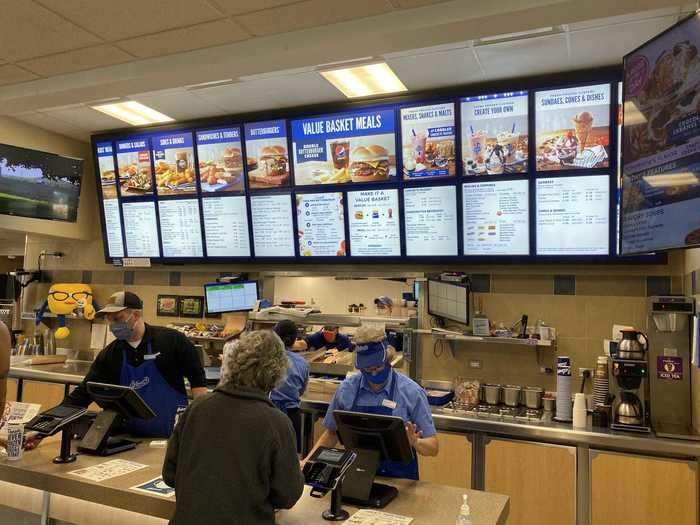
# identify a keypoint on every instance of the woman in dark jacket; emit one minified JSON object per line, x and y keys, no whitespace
{"x":232,"y":457}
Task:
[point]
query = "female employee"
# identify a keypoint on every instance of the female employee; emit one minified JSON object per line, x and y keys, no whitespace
{"x":328,"y":337}
{"x":379,"y":389}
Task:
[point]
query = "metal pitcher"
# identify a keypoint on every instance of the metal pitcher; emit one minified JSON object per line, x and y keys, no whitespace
{"x":630,"y":347}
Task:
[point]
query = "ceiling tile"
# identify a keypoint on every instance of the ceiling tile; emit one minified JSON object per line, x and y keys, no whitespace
{"x":181,"y":105}
{"x":310,"y":13}
{"x":77,"y":60}
{"x":532,"y":56}
{"x":29,"y":30}
{"x":84,"y":118}
{"x":198,"y":36}
{"x":239,"y":7}
{"x":117,"y":20}
{"x":410,"y":4}
{"x":45,"y":121}
{"x":11,"y":74}
{"x":437,"y":69}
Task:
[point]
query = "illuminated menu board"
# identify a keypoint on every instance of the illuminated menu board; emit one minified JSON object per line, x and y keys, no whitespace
{"x":428,"y":141}
{"x":321,"y":224}
{"x":110,"y":204}
{"x":266,"y":151}
{"x":273,"y":229}
{"x":220,"y":160}
{"x":374,"y":218}
{"x":430,"y":216}
{"x":134,"y":165}
{"x":173,"y":156}
{"x":226,"y":226}
{"x":140,"y":229}
{"x":180,"y":228}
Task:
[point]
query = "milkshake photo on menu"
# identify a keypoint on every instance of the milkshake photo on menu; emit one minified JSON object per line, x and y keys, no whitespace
{"x":428,"y":141}
{"x":495,"y":134}
{"x":573,"y":128}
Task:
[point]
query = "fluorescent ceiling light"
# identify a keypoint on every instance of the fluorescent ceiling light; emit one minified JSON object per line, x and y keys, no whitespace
{"x":518,"y":35}
{"x":133,"y":113}
{"x":666,"y":180}
{"x":365,"y":80}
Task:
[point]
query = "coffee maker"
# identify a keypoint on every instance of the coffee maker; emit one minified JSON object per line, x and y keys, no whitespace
{"x":630,"y":388}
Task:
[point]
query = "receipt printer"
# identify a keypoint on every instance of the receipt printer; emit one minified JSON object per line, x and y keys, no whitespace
{"x":326,"y":468}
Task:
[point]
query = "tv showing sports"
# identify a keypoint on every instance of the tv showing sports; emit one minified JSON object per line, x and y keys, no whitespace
{"x":38,"y":184}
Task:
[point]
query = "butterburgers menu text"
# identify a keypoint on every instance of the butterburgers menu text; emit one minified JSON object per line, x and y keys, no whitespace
{"x":267,"y":162}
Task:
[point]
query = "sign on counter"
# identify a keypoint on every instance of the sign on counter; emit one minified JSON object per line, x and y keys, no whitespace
{"x":108,"y":470}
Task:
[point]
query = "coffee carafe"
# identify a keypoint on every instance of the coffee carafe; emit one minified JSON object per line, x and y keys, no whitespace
{"x":630,"y":347}
{"x":630,"y":389}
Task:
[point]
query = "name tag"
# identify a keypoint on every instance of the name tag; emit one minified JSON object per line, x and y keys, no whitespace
{"x":388,"y":403}
{"x":148,"y":357}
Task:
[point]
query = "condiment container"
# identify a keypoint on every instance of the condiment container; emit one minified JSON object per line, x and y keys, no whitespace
{"x":533,"y":397}
{"x":511,"y":395}
{"x":492,"y":393}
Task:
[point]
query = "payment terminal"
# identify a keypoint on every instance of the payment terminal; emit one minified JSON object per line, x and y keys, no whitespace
{"x":326,"y":468}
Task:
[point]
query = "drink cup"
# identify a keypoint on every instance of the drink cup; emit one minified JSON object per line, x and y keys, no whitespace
{"x":15,"y":436}
{"x":477,"y":141}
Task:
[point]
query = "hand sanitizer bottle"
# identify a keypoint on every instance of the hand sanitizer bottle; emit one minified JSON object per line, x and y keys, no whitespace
{"x":464,"y":517}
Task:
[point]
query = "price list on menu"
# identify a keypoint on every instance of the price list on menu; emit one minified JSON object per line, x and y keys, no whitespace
{"x":573,"y":215}
{"x":431,"y":220}
{"x":273,"y":230}
{"x":226,"y":226}
{"x":374,"y":223}
{"x":180,"y":228}
{"x":321,"y":224}
{"x":140,"y":229}
{"x":113,"y":227}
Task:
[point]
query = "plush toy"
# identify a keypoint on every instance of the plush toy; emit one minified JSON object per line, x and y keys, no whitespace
{"x":64,"y":299}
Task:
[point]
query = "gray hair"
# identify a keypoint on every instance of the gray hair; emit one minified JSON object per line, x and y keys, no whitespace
{"x":255,"y":360}
{"x":368,"y":334}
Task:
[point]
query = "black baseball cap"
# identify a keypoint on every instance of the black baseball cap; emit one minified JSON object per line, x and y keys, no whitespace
{"x":121,"y":301}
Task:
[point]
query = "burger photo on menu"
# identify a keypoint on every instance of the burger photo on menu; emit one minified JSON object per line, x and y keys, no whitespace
{"x":345,"y":148}
{"x":220,"y":160}
{"x":134,"y":167}
{"x":266,"y":151}
{"x":173,"y":154}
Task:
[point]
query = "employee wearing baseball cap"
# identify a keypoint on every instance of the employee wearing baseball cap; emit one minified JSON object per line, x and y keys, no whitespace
{"x":153,"y":360}
{"x":379,"y":389}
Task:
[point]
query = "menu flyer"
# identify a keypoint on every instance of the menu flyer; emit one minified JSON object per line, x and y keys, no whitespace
{"x":573,"y":215}
{"x":226,"y":226}
{"x":374,"y":223}
{"x":108,"y":177}
{"x":430,"y":216}
{"x":266,"y":154}
{"x":134,"y":167}
{"x":180,"y":228}
{"x":321,"y":224}
{"x":273,"y":229}
{"x":495,"y":133}
{"x":140,"y":231}
{"x":113,"y":227}
{"x":496,"y":218}
{"x":428,"y":141}
{"x":220,"y":160}
{"x":346,"y":147}
{"x":173,"y":155}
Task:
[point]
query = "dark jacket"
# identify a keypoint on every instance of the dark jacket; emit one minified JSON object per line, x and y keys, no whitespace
{"x":232,"y":460}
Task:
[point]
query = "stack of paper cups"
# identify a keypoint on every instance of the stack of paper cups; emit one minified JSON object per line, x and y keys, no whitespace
{"x":601,"y":382}
{"x":580,"y":412}
{"x":563,"y":389}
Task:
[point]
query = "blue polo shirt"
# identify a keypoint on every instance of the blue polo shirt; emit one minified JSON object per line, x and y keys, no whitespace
{"x":411,"y":401}
{"x":316,"y":341}
{"x":288,"y":394}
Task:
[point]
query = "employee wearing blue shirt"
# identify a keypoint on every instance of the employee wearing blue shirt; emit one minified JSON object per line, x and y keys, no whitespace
{"x":328,"y":338}
{"x":379,"y":389}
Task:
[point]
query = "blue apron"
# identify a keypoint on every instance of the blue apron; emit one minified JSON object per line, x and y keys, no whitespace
{"x":163,"y":399}
{"x":388,"y":468}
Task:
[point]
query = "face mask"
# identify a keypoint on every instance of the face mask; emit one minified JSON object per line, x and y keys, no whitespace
{"x":328,"y":336}
{"x":378,"y":378}
{"x":121,"y":330}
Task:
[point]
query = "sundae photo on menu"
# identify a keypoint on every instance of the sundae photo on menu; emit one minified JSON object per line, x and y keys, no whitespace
{"x":134,"y":167}
{"x":267,"y":163}
{"x":428,"y":141}
{"x":108,"y":175}
{"x":220,"y":160}
{"x":495,"y":133}
{"x":573,"y":128}
{"x":173,"y":156}
{"x":321,"y":225}
{"x":345,"y":148}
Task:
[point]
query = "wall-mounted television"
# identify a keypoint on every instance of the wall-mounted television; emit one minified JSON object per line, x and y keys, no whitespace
{"x":38,"y":184}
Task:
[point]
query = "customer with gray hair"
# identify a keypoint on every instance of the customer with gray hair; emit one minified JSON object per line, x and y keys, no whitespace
{"x":232,"y":457}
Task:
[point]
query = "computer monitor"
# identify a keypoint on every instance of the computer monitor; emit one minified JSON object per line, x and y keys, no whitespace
{"x":239,"y":296}
{"x":449,"y":300}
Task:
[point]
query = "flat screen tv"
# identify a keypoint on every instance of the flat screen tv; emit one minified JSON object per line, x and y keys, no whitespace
{"x":38,"y":184}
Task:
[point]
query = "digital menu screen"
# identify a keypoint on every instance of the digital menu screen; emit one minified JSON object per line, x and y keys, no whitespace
{"x":273,"y":229}
{"x":496,"y":218}
{"x":573,"y":128}
{"x":113,"y":228}
{"x":573,"y":215}
{"x":321,"y":224}
{"x":105,"y":163}
{"x":134,"y":166}
{"x":266,"y":151}
{"x":140,"y":229}
{"x":220,"y":160}
{"x":353,"y":147}
{"x":173,"y":156}
{"x":374,"y":217}
{"x":428,"y":141}
{"x":180,"y":229}
{"x":430,"y":215}
{"x":495,"y":133}
{"x":110,"y":204}
{"x":226,"y":226}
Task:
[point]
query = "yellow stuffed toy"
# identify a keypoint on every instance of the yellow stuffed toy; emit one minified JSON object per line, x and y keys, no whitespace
{"x":64,"y":299}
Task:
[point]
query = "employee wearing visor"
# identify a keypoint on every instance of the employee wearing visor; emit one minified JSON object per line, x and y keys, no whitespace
{"x":328,"y":337}
{"x":379,"y":389}
{"x":153,"y":360}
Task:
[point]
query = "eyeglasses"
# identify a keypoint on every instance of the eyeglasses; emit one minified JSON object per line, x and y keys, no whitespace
{"x":78,"y":296}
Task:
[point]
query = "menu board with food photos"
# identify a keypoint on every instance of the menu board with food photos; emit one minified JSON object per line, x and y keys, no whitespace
{"x":173,"y":157}
{"x":353,"y":147}
{"x":267,"y":159}
{"x":374,"y":220}
{"x":108,"y":174}
{"x":220,"y":160}
{"x":430,"y":221}
{"x":134,"y":166}
{"x":573,"y":128}
{"x":321,"y":224}
{"x":140,"y":229}
{"x":273,"y":226}
{"x":428,"y":141}
{"x":495,"y":133}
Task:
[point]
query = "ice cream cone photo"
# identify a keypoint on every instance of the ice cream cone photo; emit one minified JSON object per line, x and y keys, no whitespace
{"x":583,"y":125}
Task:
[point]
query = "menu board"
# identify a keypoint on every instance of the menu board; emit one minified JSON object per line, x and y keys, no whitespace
{"x":356,"y":147}
{"x":573,"y":215}
{"x":495,"y":133}
{"x":113,"y":228}
{"x":226,"y":226}
{"x":173,"y":155}
{"x":374,"y":217}
{"x":430,"y":215}
{"x":496,"y":218}
{"x":321,"y":224}
{"x":105,"y":163}
{"x":140,"y":229}
{"x":134,"y":165}
{"x":266,"y":154}
{"x":220,"y":160}
{"x":428,"y":141}
{"x":180,"y":229}
{"x":273,"y":229}
{"x":573,"y":128}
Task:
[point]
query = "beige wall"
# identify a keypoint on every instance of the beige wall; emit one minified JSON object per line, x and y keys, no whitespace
{"x":692,"y":264}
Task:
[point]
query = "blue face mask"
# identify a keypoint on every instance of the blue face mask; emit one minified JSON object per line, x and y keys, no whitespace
{"x":121,"y":330}
{"x":380,"y":377}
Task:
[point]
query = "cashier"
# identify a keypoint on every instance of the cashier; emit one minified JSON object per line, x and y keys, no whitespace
{"x":153,"y":360}
{"x":328,"y":337}
{"x":379,"y":389}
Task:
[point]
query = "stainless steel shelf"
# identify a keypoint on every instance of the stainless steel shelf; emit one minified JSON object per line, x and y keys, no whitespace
{"x":331,"y":319}
{"x":30,"y":316}
{"x":532,"y":343}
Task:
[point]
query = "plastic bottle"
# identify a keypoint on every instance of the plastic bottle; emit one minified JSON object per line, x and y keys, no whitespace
{"x":464,"y":517}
